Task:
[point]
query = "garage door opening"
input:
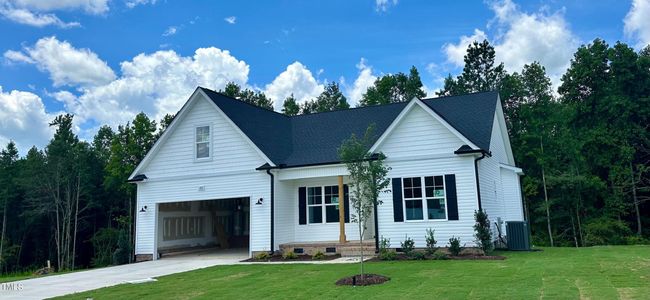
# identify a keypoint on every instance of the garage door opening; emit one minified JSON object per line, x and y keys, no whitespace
{"x":220,"y":225}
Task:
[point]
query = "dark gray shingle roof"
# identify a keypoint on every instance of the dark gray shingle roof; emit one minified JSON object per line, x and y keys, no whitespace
{"x":314,"y":138}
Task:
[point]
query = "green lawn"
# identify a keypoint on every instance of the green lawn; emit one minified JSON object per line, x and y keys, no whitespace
{"x":560,"y":273}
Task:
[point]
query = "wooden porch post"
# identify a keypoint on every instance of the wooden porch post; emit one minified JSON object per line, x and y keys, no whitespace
{"x":341,"y":211}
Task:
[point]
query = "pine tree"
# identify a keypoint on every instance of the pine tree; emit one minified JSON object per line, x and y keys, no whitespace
{"x":290,"y":107}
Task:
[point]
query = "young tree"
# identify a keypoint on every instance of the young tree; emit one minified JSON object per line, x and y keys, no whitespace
{"x":367,"y":179}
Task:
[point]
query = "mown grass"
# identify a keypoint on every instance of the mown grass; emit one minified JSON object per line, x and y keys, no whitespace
{"x":611,"y":272}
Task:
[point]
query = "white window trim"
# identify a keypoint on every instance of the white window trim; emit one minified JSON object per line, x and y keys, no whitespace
{"x":323,"y":205}
{"x":201,"y":159}
{"x":425,"y":206}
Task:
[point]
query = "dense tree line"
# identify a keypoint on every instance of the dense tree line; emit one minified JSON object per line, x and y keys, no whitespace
{"x":585,"y":149}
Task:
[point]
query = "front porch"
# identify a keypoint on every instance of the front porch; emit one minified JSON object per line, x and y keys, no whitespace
{"x":346,"y":249}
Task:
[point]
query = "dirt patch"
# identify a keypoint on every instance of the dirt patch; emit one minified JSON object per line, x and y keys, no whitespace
{"x":278,"y":258}
{"x":368,"y":279}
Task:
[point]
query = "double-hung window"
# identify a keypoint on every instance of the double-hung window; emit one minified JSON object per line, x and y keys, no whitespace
{"x":331,"y":204}
{"x":323,"y":200}
{"x":428,"y":197}
{"x":202,"y":142}
{"x":315,"y":204}
{"x":435,"y":193}
{"x":413,"y":198}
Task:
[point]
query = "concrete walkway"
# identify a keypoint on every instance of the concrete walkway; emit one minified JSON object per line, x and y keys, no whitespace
{"x":64,"y":284}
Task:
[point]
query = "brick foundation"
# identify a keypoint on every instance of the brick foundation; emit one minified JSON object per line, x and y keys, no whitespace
{"x":143,"y":257}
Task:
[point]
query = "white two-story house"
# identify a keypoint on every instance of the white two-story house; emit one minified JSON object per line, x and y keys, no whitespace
{"x":232,"y":175}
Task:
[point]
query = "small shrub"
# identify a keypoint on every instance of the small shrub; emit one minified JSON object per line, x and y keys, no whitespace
{"x":417,"y":255}
{"x":263,"y":256}
{"x":290,"y":255}
{"x":387,"y":255}
{"x":408,"y":245}
{"x":431,"y":241}
{"x":384,"y":250}
{"x":318,"y":256}
{"x":482,"y":230}
{"x":439,"y":256}
{"x":454,"y":246}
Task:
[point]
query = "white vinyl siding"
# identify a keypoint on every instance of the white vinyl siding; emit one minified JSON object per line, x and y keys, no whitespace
{"x":174,"y":175}
{"x":422,"y":146}
{"x":496,"y":194}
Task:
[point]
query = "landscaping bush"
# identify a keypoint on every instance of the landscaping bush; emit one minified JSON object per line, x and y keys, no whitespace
{"x":454,"y":246}
{"x":384,"y":250}
{"x":482,"y":231}
{"x":431,"y":241}
{"x":318,"y":256}
{"x":606,"y":231}
{"x":417,"y":255}
{"x":439,"y":256}
{"x":263,"y":256}
{"x":290,"y":255}
{"x":408,"y":245}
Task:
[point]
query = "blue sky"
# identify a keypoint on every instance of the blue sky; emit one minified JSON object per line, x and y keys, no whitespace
{"x":105,"y":60}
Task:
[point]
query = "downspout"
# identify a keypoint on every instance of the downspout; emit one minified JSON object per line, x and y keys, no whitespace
{"x":268,"y":171}
{"x":478,"y":186}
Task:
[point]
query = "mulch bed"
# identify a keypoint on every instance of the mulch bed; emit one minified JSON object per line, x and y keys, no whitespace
{"x":277,"y":258}
{"x":477,"y":257}
{"x":401,"y":256}
{"x":368,"y":279}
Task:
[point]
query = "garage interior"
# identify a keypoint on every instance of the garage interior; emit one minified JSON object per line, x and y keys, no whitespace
{"x":203,"y":226}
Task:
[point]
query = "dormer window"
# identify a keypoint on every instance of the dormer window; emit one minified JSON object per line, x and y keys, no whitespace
{"x":202,"y":142}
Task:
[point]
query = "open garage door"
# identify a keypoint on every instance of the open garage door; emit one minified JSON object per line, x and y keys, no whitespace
{"x":201,"y":226}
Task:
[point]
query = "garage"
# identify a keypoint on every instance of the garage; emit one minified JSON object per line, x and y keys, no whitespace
{"x":206,"y":226}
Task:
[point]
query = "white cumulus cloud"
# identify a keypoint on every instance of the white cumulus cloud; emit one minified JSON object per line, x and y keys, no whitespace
{"x":24,"y":120}
{"x":456,"y":52}
{"x":65,"y":64}
{"x":39,"y":13}
{"x":522,"y":38}
{"x":156,"y":83}
{"x":637,"y":23}
{"x":541,"y":37}
{"x":361,"y":84}
{"x":296,"y":80}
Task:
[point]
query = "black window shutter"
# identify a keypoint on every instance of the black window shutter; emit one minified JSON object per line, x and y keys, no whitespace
{"x":302,"y":205}
{"x":452,"y":200}
{"x":346,"y":203}
{"x":398,"y":212}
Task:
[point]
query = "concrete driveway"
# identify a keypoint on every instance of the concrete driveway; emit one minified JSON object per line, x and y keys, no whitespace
{"x":59,"y":285}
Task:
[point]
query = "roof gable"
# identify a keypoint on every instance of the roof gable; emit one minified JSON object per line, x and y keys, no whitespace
{"x":314,"y":138}
{"x":470,"y":114}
